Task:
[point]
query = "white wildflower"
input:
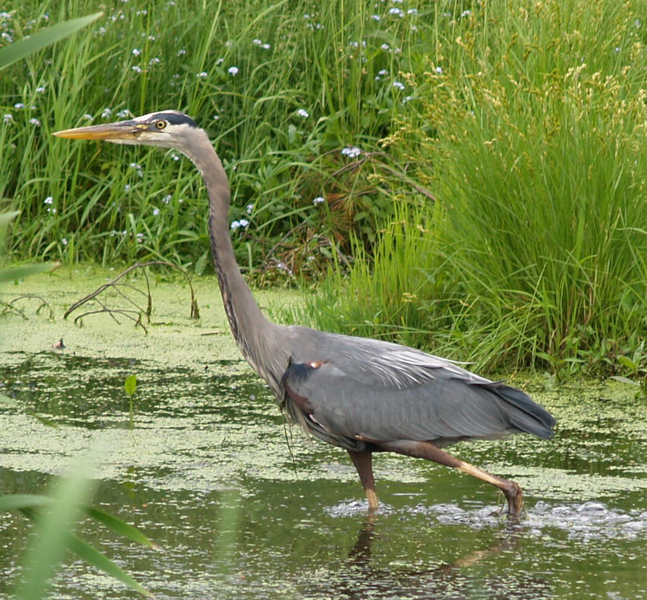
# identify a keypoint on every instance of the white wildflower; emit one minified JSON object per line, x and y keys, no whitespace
{"x":233,"y":70}
{"x":303,"y":113}
{"x":49,"y":200}
{"x":351,"y":151}
{"x":318,"y":200}
{"x":398,"y":84}
{"x":202,"y":75}
{"x":136,"y":51}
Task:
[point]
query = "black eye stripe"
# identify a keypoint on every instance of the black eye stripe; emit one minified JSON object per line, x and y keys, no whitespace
{"x":172,"y":118}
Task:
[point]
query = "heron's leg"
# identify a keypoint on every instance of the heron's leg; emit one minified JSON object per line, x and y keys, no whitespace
{"x":510,"y":489}
{"x":363,"y":462}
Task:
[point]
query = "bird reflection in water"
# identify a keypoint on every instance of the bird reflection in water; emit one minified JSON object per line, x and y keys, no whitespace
{"x":455,"y":580}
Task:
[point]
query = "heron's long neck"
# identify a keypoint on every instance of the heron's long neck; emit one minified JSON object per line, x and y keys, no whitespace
{"x":258,"y":339}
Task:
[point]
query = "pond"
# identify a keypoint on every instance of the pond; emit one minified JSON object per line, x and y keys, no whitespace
{"x":242,"y":506}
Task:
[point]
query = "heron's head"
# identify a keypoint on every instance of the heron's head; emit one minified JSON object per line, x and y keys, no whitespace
{"x":168,"y":128}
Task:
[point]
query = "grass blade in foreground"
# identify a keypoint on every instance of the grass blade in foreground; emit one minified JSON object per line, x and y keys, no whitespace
{"x":53,"y":536}
{"x":23,"y":48}
{"x":93,"y":557}
{"x":48,"y":545}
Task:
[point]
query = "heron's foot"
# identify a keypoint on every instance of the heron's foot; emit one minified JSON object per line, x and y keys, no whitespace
{"x":514,"y":496}
{"x":373,"y":503}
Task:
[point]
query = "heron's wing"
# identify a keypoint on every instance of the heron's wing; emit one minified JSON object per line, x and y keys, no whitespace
{"x":386,"y":392}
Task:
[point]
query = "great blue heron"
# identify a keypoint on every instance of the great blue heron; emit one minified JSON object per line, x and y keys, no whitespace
{"x":360,"y":394}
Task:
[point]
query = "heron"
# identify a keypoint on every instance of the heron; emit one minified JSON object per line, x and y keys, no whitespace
{"x":360,"y":394}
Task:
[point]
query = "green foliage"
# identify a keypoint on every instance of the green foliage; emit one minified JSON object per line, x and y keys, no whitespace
{"x":54,"y":516}
{"x":23,"y":48}
{"x":531,"y":132}
{"x":283,"y":89}
{"x":130,"y":385}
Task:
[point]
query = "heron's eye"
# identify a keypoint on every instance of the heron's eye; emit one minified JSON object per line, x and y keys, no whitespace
{"x":160,"y":124}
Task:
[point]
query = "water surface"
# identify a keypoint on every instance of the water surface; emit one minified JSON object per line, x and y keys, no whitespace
{"x":244,"y":507}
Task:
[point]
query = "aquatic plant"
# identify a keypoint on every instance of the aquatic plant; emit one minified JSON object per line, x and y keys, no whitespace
{"x":284,"y":90}
{"x":530,"y":130}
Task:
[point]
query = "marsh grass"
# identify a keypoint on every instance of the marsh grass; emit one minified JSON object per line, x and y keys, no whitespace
{"x":282,"y":88}
{"x":531,"y":133}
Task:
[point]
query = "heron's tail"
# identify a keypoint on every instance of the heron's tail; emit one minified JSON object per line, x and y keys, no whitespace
{"x":524,"y":413}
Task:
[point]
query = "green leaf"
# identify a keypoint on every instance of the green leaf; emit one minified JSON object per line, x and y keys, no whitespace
{"x":131,"y":385}
{"x":16,"y":273}
{"x":622,"y":379}
{"x":22,"y":48}
{"x":50,"y":539}
{"x":93,"y":557}
{"x":6,"y":218}
{"x":29,"y":501}
{"x":627,"y":362}
{"x":21,"y":501}
{"x":8,"y":401}
{"x":119,"y":526}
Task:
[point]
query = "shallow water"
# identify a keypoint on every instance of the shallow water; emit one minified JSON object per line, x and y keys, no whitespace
{"x":243,"y":507}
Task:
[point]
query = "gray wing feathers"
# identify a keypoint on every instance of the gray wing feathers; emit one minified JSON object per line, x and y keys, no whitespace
{"x":387,"y":392}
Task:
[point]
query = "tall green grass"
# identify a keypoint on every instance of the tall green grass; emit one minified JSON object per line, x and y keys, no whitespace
{"x":282,"y":87}
{"x":531,"y":132}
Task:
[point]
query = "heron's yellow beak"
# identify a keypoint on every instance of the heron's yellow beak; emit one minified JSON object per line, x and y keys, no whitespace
{"x":124,"y":131}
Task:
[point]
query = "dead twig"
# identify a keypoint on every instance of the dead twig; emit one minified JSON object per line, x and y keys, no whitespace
{"x":43,"y":305}
{"x":138,"y":311}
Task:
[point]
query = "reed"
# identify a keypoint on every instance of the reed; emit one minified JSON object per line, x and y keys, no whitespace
{"x":531,"y":133}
